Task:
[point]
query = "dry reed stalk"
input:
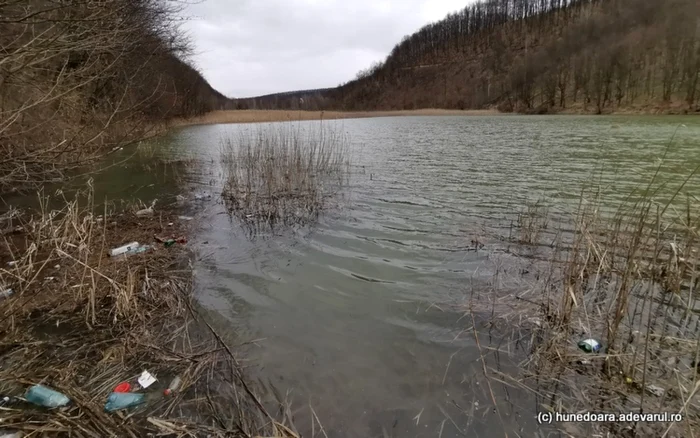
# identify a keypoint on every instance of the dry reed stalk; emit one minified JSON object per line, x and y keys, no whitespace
{"x":102,"y":320}
{"x":629,"y":278}
{"x":283,"y":174}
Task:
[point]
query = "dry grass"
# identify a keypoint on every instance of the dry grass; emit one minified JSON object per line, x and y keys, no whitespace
{"x":628,"y":277}
{"x":283,"y":174}
{"x":255,"y":116}
{"x":81,"y":322}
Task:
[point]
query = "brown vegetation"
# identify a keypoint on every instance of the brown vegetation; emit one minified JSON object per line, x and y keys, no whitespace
{"x":81,"y":322}
{"x":283,"y":175}
{"x":255,"y":116}
{"x":627,"y":276}
{"x":79,"y":78}
{"x":532,"y":56}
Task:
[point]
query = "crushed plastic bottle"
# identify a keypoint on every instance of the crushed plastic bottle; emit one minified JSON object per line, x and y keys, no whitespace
{"x":590,"y":345}
{"x":123,"y":400}
{"x":174,"y":385}
{"x":43,"y":396}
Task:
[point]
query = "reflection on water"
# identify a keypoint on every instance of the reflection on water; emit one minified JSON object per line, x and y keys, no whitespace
{"x":352,"y":310}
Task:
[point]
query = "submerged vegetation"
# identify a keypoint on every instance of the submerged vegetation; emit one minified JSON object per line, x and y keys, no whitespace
{"x":283,"y":174}
{"x":627,"y":277}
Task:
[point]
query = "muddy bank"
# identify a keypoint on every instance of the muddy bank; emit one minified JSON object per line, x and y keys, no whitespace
{"x":81,"y":322}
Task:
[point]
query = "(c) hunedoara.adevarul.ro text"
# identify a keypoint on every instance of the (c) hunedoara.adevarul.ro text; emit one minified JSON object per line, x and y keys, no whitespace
{"x":601,"y":417}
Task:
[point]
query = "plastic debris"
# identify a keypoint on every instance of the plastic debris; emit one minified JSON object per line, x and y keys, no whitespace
{"x":202,"y":196}
{"x":655,"y":390}
{"x":5,"y":293}
{"x":123,"y":387}
{"x":185,"y":218}
{"x":11,"y":263}
{"x":123,"y":400}
{"x":8,"y":434}
{"x":171,"y":242}
{"x":8,"y":400}
{"x":140,"y":249}
{"x":145,"y":212}
{"x":123,"y":249}
{"x":146,"y":379}
{"x":590,"y":345}
{"x":174,"y":385}
{"x":43,"y":396}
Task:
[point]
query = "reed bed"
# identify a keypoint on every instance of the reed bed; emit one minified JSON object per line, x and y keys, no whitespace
{"x":81,"y":322}
{"x":283,"y":174}
{"x":626,"y":276}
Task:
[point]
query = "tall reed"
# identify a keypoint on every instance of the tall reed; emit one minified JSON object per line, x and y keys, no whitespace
{"x":283,"y":173}
{"x":628,"y":277}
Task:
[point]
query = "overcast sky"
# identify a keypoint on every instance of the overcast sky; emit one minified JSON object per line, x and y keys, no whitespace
{"x":254,"y":47}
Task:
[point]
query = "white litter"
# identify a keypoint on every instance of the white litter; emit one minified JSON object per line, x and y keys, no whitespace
{"x":146,"y":379}
{"x":123,"y":249}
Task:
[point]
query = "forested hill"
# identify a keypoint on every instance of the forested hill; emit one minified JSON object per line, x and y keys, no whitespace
{"x":539,"y":56}
{"x":80,"y":77}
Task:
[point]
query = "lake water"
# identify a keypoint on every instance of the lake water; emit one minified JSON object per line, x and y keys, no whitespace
{"x":355,"y":311}
{"x":360,"y":314}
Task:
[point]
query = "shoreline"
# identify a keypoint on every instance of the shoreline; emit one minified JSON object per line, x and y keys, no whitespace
{"x":79,"y":321}
{"x":263,"y":116}
{"x":266,"y":116}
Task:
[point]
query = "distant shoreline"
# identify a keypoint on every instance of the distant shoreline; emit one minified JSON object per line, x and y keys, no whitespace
{"x":261,"y":116}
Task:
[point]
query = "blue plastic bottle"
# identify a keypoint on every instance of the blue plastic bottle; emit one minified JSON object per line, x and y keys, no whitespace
{"x":123,"y":400}
{"x":43,"y":396}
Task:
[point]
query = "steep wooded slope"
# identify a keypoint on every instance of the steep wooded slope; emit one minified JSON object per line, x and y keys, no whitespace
{"x":538,"y":56}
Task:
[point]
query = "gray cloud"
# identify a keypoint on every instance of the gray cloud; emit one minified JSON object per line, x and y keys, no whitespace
{"x":253,"y":47}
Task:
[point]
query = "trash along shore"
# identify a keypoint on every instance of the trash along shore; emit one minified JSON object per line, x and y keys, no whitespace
{"x":99,"y":335}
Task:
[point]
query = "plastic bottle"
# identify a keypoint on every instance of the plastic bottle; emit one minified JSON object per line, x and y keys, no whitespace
{"x":139,"y":249}
{"x":174,"y":385}
{"x":43,"y":396}
{"x":123,"y":249}
{"x":123,"y":400}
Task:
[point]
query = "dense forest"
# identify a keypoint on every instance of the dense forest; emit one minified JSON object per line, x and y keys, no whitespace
{"x":534,"y":56}
{"x":79,"y":77}
{"x":290,"y":100}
